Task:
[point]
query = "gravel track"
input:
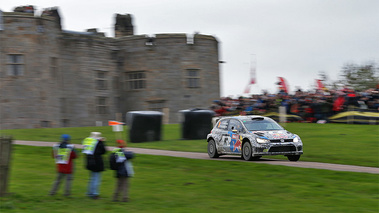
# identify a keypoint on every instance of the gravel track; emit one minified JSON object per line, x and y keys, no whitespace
{"x":204,"y":156}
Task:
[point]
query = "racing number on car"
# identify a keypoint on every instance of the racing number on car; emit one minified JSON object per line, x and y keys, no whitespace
{"x":226,"y":139}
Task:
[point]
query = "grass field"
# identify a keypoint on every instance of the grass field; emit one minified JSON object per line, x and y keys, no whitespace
{"x":329,"y":143}
{"x":168,"y":184}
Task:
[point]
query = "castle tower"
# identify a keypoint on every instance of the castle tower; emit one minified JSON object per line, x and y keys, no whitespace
{"x":54,"y":13}
{"x":29,"y":60}
{"x":124,"y":25}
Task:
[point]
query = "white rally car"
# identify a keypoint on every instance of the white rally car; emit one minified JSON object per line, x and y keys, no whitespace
{"x":252,"y":137}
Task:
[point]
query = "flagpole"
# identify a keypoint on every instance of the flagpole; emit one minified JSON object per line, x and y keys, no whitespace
{"x":254,"y":67}
{"x":252,"y":79}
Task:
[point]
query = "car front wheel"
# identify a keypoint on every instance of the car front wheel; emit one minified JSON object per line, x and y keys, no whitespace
{"x":212,"y":151}
{"x":247,"y":151}
{"x":293,"y":157}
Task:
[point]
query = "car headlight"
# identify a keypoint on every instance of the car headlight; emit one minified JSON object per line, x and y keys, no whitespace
{"x":296,"y":139}
{"x":261,"y":140}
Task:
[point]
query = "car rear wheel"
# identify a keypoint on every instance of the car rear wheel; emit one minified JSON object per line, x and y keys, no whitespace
{"x":293,"y":157}
{"x":247,"y":151}
{"x":212,"y":151}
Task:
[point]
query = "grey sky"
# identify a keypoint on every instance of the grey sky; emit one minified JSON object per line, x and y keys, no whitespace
{"x":294,"y":39}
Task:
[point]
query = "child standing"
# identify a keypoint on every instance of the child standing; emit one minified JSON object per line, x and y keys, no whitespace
{"x":124,"y":170}
{"x":63,"y":153}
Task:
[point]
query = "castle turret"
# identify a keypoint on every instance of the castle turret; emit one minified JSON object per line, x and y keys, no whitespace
{"x":124,"y":25}
{"x":53,"y":12}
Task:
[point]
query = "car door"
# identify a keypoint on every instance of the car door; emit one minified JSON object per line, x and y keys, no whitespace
{"x":234,"y":130}
{"x":221,"y":133}
{"x":224,"y":139}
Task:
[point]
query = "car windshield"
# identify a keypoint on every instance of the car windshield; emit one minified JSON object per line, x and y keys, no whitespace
{"x":262,"y":125}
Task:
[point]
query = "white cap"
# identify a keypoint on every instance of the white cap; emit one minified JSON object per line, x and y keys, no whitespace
{"x":95,"y":135}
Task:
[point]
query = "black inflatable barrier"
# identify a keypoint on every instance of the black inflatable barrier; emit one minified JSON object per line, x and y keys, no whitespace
{"x":196,"y":124}
{"x":144,"y":125}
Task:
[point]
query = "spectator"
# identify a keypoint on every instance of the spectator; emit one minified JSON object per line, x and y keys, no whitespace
{"x":64,"y":153}
{"x":310,"y":106}
{"x":94,"y":148}
{"x":124,"y":170}
{"x":338,"y":104}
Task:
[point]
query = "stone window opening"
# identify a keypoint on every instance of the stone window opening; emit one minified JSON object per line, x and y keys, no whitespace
{"x":136,"y":80}
{"x":102,"y":107}
{"x":101,"y":81}
{"x":16,"y":64}
{"x":193,"y":78}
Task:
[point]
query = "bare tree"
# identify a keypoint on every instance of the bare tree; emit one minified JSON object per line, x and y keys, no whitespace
{"x":360,"y":77}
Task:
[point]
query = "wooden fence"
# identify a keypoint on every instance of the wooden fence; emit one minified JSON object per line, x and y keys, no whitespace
{"x":5,"y":158}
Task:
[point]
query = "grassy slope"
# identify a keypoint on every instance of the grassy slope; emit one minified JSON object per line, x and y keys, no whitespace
{"x":167,"y":184}
{"x":330,"y":143}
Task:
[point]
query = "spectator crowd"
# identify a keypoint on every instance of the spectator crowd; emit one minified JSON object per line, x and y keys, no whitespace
{"x":310,"y":106}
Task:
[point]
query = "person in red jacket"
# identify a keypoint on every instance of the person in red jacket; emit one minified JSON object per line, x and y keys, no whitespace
{"x":63,"y":153}
{"x":339,"y":104}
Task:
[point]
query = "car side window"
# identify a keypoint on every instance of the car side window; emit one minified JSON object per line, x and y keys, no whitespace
{"x":223,"y":124}
{"x":234,"y":124}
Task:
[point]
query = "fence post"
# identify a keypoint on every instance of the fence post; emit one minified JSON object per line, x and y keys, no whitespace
{"x":5,"y":157}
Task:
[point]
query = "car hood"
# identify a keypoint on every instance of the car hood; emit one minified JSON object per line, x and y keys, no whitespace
{"x":277,"y":134}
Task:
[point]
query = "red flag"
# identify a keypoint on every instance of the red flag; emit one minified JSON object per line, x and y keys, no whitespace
{"x":252,"y":79}
{"x":252,"y":75}
{"x":112,"y":123}
{"x":319,"y":85}
{"x":283,"y":85}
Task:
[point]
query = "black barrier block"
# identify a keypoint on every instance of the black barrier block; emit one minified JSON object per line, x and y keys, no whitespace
{"x":197,"y":123}
{"x":144,"y":126}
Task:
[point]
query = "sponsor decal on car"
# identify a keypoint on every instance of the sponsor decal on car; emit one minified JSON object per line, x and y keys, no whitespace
{"x":235,"y":143}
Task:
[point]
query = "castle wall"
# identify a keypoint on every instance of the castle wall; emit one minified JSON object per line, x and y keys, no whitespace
{"x":76,"y":79}
{"x":166,"y":62}
{"x":82,"y":57}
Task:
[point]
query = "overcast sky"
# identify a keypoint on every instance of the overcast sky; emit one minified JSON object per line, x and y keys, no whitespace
{"x":294,"y":39}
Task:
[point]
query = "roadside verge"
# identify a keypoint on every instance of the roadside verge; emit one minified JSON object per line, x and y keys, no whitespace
{"x":204,"y":156}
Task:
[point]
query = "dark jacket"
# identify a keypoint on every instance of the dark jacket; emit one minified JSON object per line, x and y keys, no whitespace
{"x":121,"y":167}
{"x":95,"y":162}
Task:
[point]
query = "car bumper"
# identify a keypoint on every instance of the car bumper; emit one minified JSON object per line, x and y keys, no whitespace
{"x":278,"y":149}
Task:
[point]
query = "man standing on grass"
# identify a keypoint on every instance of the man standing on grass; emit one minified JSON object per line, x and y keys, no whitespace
{"x":63,"y":153}
{"x":94,"y":148}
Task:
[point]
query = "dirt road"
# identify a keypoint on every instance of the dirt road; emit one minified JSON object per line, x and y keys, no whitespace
{"x":204,"y":156}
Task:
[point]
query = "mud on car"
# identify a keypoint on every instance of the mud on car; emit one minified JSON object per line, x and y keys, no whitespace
{"x":252,"y":137}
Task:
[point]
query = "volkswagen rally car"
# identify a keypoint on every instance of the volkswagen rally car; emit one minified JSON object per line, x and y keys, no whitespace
{"x":252,"y":137}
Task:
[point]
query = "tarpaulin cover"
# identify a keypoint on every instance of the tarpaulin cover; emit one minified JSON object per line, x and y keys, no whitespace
{"x":196,"y":123}
{"x":144,"y":125}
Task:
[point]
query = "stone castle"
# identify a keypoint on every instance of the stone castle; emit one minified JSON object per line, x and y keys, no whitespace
{"x":50,"y":77}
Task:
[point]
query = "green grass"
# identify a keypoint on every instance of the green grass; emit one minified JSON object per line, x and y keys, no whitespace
{"x":329,"y":143}
{"x":168,"y":184}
